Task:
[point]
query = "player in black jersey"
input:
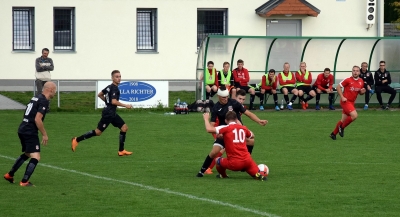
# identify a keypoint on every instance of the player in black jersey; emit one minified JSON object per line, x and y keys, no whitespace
{"x":368,"y":79}
{"x":32,"y":122}
{"x":219,"y":111}
{"x":110,"y":95}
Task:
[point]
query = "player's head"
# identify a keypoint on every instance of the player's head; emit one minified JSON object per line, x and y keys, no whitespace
{"x":45,"y":52}
{"x":364,"y":66}
{"x":241,"y":96}
{"x":286,"y":67}
{"x":210,"y":65}
{"x":240,"y":63}
{"x":116,"y":77}
{"x":327,"y":72}
{"x":303,"y":66}
{"x":49,"y":89}
{"x":271,"y":73}
{"x":226,"y":66}
{"x":223,"y":95}
{"x":230,"y":117}
{"x":382,"y":65}
{"x":355,"y":71}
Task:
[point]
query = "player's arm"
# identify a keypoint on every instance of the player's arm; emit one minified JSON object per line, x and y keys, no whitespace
{"x":209,"y":128}
{"x":101,"y":96}
{"x":118,"y":103}
{"x":340,"y":91}
{"x":40,"y":126}
{"x":254,"y":117}
{"x":114,"y":99}
{"x":389,"y":78}
{"x":247,"y":78}
{"x":299,"y":77}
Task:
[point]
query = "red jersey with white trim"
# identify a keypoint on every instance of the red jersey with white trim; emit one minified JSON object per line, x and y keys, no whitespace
{"x":235,"y":140}
{"x":241,"y":76}
{"x":322,"y":83}
{"x":352,"y":88}
{"x":273,"y":82}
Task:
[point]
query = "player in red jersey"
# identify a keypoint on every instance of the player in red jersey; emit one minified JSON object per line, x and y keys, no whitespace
{"x":324,"y":83}
{"x":238,"y":158}
{"x":351,"y":88}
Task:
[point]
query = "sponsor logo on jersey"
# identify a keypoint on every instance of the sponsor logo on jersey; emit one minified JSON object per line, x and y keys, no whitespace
{"x":230,"y":108}
{"x":136,"y":91}
{"x":37,"y":147}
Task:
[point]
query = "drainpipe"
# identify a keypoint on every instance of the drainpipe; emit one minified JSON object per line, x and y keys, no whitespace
{"x":380,"y":13}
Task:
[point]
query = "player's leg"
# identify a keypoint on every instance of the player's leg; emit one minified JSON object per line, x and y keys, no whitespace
{"x":275,"y":97}
{"x":250,"y":144}
{"x":317,"y":98}
{"x":378,"y":92}
{"x":222,"y":165}
{"x":392,"y":93}
{"x":120,"y":124}
{"x":252,"y":92}
{"x":217,"y":147}
{"x":209,"y":170}
{"x":214,"y":90}
{"x":208,"y":91}
{"x":262,"y":96}
{"x":285,"y":93}
{"x":301,"y":97}
{"x":33,"y":151}
{"x":295,"y":93}
{"x":345,"y":113}
{"x":18,"y":162}
{"x":331,"y":97}
{"x":101,"y":126}
{"x":310,"y":95}
{"x":252,"y":170}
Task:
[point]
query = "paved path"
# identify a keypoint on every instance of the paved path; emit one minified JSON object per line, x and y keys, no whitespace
{"x":7,"y":103}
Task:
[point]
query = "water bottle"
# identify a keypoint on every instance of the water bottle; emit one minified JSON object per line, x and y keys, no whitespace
{"x":282,"y":104}
{"x":178,"y":101}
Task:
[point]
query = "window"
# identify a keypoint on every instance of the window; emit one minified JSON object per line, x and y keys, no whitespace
{"x":23,"y":25}
{"x":64,"y":29}
{"x":146,"y":29}
{"x":211,"y":22}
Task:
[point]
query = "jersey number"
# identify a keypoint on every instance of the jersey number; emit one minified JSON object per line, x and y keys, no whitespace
{"x":28,"y":108}
{"x":239,"y":136}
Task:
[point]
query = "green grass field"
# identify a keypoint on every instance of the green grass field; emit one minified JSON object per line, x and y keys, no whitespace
{"x":310,"y":174}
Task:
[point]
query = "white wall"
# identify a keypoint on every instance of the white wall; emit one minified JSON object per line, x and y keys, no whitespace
{"x":106,"y":35}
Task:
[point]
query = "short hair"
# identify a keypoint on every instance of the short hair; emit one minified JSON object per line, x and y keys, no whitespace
{"x":114,"y":72}
{"x":303,"y":63}
{"x":241,"y":92}
{"x":286,"y":63}
{"x":327,"y":69}
{"x":45,"y":49}
{"x":210,"y":62}
{"x":364,"y":63}
{"x":230,"y":116}
{"x":357,"y":67}
{"x":225,"y":63}
{"x":240,"y":61}
{"x":382,"y":61}
{"x":271,"y":70}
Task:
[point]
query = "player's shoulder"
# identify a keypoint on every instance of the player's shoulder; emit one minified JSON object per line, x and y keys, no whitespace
{"x":41,"y":98}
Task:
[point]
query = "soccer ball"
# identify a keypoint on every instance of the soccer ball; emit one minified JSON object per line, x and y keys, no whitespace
{"x":263,"y":170}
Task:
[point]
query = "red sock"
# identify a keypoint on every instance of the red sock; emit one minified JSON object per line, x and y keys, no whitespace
{"x":336,"y":130}
{"x":347,"y":121}
{"x":213,"y":162}
{"x":222,"y":171}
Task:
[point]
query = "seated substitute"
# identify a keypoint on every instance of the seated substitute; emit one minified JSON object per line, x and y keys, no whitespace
{"x":268,"y":85}
{"x":303,"y":84}
{"x":324,"y":84}
{"x":382,"y":81}
{"x":368,"y":79}
{"x":242,"y":78}
{"x":225,"y":78}
{"x":287,"y":83}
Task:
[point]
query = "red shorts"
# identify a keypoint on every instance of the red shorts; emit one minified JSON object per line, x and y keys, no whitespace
{"x":237,"y":165}
{"x":347,"y":107}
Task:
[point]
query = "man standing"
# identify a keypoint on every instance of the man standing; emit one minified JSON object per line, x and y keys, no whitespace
{"x":32,"y":122}
{"x":110,"y":95}
{"x":43,"y":65}
{"x":303,"y":84}
{"x":287,"y":82}
{"x":352,"y":86}
{"x":324,"y":84}
{"x":242,"y":78}
{"x":368,"y":82}
{"x":382,"y":81}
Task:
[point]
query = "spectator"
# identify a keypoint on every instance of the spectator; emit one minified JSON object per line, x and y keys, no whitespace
{"x":382,"y":81}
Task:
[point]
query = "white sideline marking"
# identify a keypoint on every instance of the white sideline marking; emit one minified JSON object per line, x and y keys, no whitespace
{"x":156,"y":189}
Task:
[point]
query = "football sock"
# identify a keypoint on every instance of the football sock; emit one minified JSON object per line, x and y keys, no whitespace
{"x":29,"y":169}
{"x":207,"y":95}
{"x":20,"y":160}
{"x":317,"y":98}
{"x":122,"y":136}
{"x":206,"y":164}
{"x":213,"y":162}
{"x":275,"y":99}
{"x":331,"y":97}
{"x":294,"y":97}
{"x":336,"y":130}
{"x":252,"y":100}
{"x":392,"y":96}
{"x":367,"y":98}
{"x":250,"y":148}
{"x":347,"y":122}
{"x":86,"y":136}
{"x":286,"y":98}
{"x":309,"y":97}
{"x":222,"y":171}
{"x":301,"y":97}
{"x":261,"y":99}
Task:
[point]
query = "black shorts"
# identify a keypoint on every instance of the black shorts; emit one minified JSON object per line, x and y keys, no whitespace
{"x":245,"y":88}
{"x":315,"y":89}
{"x":116,"y":121}
{"x":29,"y":143}
{"x":306,"y":89}
{"x":269,"y":91}
{"x":219,"y":142}
{"x":288,"y":88}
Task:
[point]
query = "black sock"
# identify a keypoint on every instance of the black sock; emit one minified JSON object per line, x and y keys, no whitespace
{"x":207,"y":95}
{"x":261,"y":99}
{"x":275,"y":99}
{"x":86,"y":136}
{"x":286,"y":98}
{"x":250,"y":148}
{"x":206,"y":164}
{"x":317,"y":98}
{"x":20,"y":160}
{"x":252,"y":99}
{"x":301,"y":97}
{"x":294,"y":97}
{"x":309,"y":97}
{"x":330,"y":98}
{"x":29,"y":169}
{"x":122,"y":136}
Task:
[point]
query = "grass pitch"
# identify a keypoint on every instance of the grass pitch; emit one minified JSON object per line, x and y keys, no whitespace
{"x":310,"y":174}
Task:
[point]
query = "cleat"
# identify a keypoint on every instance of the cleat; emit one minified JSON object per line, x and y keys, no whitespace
{"x":333,"y":136}
{"x":9,"y":178}
{"x":306,"y":104}
{"x":258,"y":176}
{"x":277,"y":108}
{"x":26,"y":184}
{"x":383,"y":107}
{"x":261,"y":108}
{"x":317,"y":107}
{"x":289,"y":107}
{"x":208,"y":171}
{"x":341,"y":131}
{"x":372,"y":91}
{"x":387,"y":108}
{"x":366,"y":107}
{"x":303,"y":105}
{"x":331,"y":107}
{"x":199,"y":174}
{"x":124,"y":152}
{"x":220,"y":177}
{"x":252,"y":108}
{"x":74,"y":143}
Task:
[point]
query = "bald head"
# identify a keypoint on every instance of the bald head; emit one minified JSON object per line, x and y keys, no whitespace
{"x":49,"y":89}
{"x":49,"y":85}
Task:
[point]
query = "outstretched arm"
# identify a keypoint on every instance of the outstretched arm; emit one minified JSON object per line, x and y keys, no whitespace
{"x":207,"y":124}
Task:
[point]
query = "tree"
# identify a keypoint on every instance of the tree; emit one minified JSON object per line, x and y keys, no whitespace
{"x":396,"y":8}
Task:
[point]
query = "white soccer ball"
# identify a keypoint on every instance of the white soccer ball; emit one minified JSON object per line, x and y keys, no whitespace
{"x":263,"y":169}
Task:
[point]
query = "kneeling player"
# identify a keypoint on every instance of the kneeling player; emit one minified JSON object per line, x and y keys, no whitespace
{"x":234,"y":135}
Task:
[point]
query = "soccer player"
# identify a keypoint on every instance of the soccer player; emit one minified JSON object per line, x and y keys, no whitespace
{"x":32,"y":122}
{"x":219,"y":110}
{"x":110,"y":95}
{"x":234,"y":137}
{"x":303,"y":85}
{"x":324,"y":83}
{"x":352,"y":86}
{"x":287,"y":83}
{"x":269,"y":84}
